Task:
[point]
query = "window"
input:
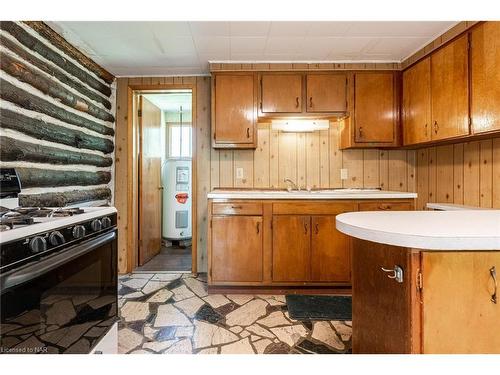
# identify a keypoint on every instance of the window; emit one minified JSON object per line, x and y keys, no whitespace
{"x":179,"y":140}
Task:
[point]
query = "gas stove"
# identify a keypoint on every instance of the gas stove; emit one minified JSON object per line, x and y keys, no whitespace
{"x":22,"y":216}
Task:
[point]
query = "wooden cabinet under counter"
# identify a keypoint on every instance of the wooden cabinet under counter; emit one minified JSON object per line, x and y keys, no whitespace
{"x":285,"y":244}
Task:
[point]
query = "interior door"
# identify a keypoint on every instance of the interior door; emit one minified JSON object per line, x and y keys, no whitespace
{"x":450,"y":90}
{"x":237,"y":248}
{"x":281,"y":93}
{"x":291,"y":248}
{"x":149,"y":180}
{"x":374,"y":109}
{"x":330,"y":251}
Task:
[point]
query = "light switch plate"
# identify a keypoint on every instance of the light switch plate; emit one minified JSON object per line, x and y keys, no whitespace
{"x":344,"y":175}
{"x":239,"y":172}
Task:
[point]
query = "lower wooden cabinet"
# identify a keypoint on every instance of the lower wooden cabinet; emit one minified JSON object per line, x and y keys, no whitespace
{"x":291,"y":248}
{"x":236,"y":248}
{"x":443,"y":304}
{"x":282,"y":243}
{"x":330,"y":251}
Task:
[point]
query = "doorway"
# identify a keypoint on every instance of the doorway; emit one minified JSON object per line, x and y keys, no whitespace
{"x":165,"y":180}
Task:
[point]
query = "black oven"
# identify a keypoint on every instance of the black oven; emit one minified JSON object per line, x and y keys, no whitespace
{"x":63,"y":303}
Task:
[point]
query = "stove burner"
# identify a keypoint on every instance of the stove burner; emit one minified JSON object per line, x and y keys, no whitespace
{"x":62,"y":212}
{"x":16,"y":220}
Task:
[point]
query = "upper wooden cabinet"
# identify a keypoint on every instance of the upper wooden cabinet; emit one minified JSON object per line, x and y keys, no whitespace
{"x":234,"y":111}
{"x":281,"y":93}
{"x":374,"y":111}
{"x":485,"y":77}
{"x":326,"y":92}
{"x":450,"y":90}
{"x":416,"y":104}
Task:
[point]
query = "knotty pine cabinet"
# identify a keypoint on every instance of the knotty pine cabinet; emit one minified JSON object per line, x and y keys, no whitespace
{"x":281,"y":93}
{"x":234,"y":110}
{"x":326,"y":92}
{"x":413,"y":316}
{"x":485,"y":77}
{"x":374,"y":112}
{"x":282,"y":243}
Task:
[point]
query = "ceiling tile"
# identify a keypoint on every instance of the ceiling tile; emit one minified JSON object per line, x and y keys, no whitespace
{"x":247,"y":44}
{"x":398,"y":28}
{"x":218,"y":44}
{"x":249,"y":28}
{"x":289,"y":29}
{"x":394,"y":47}
{"x":329,"y":28}
{"x":283,"y":45}
{"x":209,"y":28}
{"x":176,"y":45}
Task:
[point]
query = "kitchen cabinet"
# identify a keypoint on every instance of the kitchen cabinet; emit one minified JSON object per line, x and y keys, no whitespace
{"x":416,"y":106}
{"x":281,"y":93}
{"x":290,"y":244}
{"x":411,"y":315}
{"x":450,"y":90}
{"x":326,"y":92}
{"x":234,"y":112}
{"x":485,"y":77}
{"x":291,"y":248}
{"x":236,"y":243}
{"x":374,"y":111}
{"x":330,"y":251}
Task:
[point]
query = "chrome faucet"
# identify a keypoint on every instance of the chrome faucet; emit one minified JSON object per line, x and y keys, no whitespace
{"x":294,"y":185}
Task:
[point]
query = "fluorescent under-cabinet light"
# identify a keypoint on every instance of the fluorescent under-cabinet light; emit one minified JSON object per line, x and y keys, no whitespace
{"x":300,"y":125}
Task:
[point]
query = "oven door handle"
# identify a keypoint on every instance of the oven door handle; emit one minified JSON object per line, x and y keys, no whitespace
{"x":37,"y":269}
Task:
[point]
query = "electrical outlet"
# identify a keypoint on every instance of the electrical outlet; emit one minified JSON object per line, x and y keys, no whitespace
{"x":239,"y":173}
{"x":344,"y":175}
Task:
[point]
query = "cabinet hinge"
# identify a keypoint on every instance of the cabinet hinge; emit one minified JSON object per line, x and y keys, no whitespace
{"x":139,"y":113}
{"x":420,"y":281}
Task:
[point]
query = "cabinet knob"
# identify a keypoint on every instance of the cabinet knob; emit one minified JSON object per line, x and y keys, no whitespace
{"x":258,"y":227}
{"x":436,"y":127}
{"x":305,"y":228}
{"x":310,"y":102}
{"x":297,"y":102}
{"x":360,"y":132}
{"x":316,"y":228}
{"x":248,"y":132}
{"x":426,"y":129}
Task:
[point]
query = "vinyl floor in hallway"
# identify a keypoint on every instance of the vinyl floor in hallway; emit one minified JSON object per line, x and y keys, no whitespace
{"x":172,"y":258}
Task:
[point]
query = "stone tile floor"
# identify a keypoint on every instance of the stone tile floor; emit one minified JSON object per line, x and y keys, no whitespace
{"x":173,"y":313}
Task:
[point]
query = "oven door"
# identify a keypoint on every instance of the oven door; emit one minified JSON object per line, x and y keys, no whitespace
{"x":63,"y":303}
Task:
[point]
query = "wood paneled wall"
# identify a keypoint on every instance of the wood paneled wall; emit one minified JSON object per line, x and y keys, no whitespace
{"x":311,"y":159}
{"x":202,"y":155}
{"x":463,"y":173}
{"x":57,"y":117}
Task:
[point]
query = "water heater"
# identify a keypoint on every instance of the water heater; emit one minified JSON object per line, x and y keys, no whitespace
{"x":176,"y":181}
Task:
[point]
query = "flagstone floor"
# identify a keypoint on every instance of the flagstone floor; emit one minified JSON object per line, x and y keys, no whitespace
{"x":173,"y":313}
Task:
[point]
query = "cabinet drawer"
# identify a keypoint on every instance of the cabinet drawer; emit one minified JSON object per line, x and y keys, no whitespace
{"x":237,"y":208}
{"x":313,"y":208}
{"x":385,"y":206}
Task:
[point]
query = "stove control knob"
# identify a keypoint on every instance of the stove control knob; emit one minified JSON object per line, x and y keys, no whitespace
{"x":96,"y":225}
{"x":38,"y":244}
{"x":78,"y":231}
{"x":56,"y":238}
{"x":106,"y":222}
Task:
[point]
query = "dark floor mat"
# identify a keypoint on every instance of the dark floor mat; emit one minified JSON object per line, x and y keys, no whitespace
{"x":301,"y":307}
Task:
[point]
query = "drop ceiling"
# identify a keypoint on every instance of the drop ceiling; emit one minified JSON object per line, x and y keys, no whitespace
{"x":185,"y":48}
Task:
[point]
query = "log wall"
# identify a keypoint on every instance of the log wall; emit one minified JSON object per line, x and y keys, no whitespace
{"x":57,"y":118}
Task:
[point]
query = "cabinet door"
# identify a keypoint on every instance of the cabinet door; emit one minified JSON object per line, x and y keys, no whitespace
{"x":330,"y":251}
{"x":461,"y":283}
{"x":417,"y":103}
{"x":375,"y":113}
{"x":291,"y":248}
{"x":449,"y":90}
{"x":236,"y":248}
{"x":326,"y":93}
{"x":381,"y":306}
{"x":281,"y":93}
{"x":235,"y":111}
{"x":485,"y":82}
